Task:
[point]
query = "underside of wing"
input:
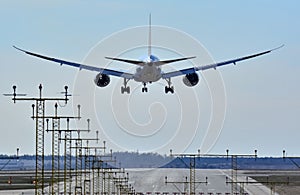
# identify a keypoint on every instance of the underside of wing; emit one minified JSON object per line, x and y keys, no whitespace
{"x":178,"y":73}
{"x":234,"y":61}
{"x":81,"y":66}
{"x":215,"y":65}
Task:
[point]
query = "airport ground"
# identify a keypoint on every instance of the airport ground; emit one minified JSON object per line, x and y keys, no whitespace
{"x":282,"y":182}
{"x":152,"y":181}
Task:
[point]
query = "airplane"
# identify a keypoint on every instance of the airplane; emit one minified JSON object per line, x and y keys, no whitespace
{"x":149,"y":69}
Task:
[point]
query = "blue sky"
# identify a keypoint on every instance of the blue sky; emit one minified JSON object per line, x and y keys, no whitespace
{"x":262,"y":95}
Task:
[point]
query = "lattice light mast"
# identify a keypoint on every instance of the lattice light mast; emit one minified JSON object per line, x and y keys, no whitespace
{"x":39,"y":116}
{"x":56,"y":139}
{"x":68,"y":138}
{"x":192,"y":170}
{"x":78,"y":164}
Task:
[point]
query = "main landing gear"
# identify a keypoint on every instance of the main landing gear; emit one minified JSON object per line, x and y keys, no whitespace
{"x":169,"y":88}
{"x":144,"y":89}
{"x":125,"y":88}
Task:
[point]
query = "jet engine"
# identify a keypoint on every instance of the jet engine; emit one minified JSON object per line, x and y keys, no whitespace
{"x":102,"y":80}
{"x":191,"y":79}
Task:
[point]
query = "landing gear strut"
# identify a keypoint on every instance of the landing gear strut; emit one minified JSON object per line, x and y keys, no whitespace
{"x":144,"y":89}
{"x":169,"y":88}
{"x":125,"y":88}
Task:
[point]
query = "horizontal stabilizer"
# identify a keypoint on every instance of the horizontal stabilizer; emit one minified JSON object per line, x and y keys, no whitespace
{"x":159,"y":63}
{"x":136,"y":62}
{"x":156,"y":63}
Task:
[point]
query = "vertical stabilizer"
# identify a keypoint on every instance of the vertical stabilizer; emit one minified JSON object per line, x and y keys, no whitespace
{"x":149,"y":36}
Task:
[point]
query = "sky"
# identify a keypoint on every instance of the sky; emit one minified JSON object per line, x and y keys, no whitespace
{"x":253,"y":105}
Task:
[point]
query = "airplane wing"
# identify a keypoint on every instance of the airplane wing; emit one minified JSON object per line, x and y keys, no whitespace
{"x":81,"y":66}
{"x":215,"y":65}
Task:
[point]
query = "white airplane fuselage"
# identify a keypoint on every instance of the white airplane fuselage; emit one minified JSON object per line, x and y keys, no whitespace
{"x":148,"y":72}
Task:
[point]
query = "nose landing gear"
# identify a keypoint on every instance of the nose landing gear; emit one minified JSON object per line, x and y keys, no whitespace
{"x":144,"y":89}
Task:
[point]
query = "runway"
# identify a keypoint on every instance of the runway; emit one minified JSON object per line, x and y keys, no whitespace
{"x":152,"y":181}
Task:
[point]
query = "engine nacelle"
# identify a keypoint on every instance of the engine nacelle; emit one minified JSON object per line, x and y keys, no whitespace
{"x":102,"y":80}
{"x":191,"y":80}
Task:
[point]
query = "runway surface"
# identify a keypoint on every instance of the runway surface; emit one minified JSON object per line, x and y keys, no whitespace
{"x":152,"y":181}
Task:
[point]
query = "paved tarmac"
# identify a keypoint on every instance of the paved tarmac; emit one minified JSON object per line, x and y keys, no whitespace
{"x":152,"y":181}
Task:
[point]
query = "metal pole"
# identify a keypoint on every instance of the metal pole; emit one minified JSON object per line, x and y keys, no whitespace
{"x":39,"y":126}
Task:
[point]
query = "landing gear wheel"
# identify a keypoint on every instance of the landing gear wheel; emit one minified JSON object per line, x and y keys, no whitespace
{"x":169,"y":89}
{"x":144,"y":89}
{"x":125,"y":89}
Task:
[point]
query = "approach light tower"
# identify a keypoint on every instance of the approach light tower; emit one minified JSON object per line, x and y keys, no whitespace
{"x":78,"y":164}
{"x":56,"y":136}
{"x":39,"y":116}
{"x":68,"y":138}
{"x":192,"y":179}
